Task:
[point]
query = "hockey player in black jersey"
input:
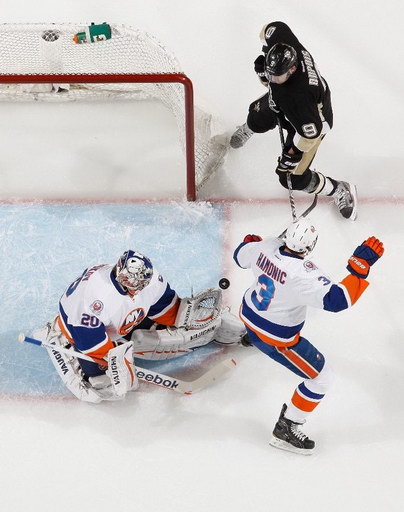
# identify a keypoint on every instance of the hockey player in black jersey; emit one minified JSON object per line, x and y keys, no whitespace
{"x":298,"y":100}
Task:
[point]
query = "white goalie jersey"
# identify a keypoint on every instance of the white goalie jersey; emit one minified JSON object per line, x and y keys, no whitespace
{"x":94,"y":311}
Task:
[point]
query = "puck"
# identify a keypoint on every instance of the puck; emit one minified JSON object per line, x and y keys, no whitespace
{"x":224,"y":283}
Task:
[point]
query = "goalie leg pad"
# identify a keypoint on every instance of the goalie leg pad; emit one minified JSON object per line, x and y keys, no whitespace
{"x":231,"y":330}
{"x":68,"y":368}
{"x":113,"y":385}
{"x":170,"y":343}
{"x":121,"y":370}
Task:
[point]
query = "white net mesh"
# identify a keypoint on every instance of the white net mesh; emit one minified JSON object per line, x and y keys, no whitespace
{"x":38,"y":49}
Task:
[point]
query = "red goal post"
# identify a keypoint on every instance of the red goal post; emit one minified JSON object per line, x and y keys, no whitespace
{"x":130,"y":79}
{"x":129,"y":64}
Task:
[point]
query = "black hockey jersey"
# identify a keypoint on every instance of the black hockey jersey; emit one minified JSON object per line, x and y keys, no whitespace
{"x":304,"y":99}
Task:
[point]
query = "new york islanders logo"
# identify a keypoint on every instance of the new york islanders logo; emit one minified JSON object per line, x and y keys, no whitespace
{"x":132,"y":319}
{"x":96,"y":307}
{"x":309,"y":266}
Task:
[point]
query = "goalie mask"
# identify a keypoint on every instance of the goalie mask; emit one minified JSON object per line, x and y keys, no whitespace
{"x":133,"y":271}
{"x":301,"y":236}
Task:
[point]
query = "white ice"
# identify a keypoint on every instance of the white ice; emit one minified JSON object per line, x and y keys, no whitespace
{"x":159,"y":451}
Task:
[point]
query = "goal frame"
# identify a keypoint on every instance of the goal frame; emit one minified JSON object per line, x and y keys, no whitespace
{"x":96,"y":78}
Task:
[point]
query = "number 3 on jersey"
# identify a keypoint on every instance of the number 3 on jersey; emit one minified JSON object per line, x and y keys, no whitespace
{"x":262,"y":297}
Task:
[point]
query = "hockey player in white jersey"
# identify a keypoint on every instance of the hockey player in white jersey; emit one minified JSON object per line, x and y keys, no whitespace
{"x":274,"y":311}
{"x":118,"y":313}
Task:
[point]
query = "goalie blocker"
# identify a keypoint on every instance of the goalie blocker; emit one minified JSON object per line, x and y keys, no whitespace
{"x":200,"y":320}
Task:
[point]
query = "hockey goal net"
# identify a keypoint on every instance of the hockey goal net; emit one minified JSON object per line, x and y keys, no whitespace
{"x":73,"y":62}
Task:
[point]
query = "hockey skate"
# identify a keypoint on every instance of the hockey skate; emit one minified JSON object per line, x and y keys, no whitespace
{"x":240,"y":136}
{"x":287,"y":436}
{"x":345,"y":198}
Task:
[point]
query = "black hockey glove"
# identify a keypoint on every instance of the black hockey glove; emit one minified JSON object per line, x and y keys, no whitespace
{"x":259,"y":67}
{"x":287,"y":162}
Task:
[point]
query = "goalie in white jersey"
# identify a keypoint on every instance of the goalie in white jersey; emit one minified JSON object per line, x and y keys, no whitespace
{"x":274,"y":311}
{"x":115,"y":314}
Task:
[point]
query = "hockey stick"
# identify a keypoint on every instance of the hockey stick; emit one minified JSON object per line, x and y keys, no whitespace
{"x":289,"y":182}
{"x":288,"y":176}
{"x":150,"y":376}
{"x":304,"y":214}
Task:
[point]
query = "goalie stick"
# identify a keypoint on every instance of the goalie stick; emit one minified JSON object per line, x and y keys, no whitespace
{"x":159,"y":379}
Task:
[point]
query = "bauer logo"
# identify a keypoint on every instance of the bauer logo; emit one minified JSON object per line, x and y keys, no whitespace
{"x":156,"y":379}
{"x":357,"y":262}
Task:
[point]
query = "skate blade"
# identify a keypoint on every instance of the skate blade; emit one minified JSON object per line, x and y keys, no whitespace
{"x":283,"y":445}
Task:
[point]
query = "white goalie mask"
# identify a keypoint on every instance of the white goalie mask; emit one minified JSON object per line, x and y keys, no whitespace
{"x":301,"y":236}
{"x":133,"y":271}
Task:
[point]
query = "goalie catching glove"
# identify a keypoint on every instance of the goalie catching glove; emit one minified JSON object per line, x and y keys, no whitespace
{"x":364,"y":256}
{"x":199,"y":311}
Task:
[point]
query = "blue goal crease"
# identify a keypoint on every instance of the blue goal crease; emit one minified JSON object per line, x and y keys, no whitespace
{"x":44,"y":247}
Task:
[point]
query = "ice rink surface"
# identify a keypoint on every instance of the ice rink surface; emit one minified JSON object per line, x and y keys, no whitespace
{"x":158,"y":450}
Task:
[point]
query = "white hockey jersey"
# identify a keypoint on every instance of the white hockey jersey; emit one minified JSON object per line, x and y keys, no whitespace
{"x":94,"y":311}
{"x":275,"y":305}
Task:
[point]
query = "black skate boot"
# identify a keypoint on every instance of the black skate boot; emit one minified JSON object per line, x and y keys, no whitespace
{"x":345,"y":198}
{"x":240,"y":136}
{"x":245,"y":341}
{"x":287,"y":436}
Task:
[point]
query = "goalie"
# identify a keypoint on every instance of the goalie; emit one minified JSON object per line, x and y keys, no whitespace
{"x":118,"y":313}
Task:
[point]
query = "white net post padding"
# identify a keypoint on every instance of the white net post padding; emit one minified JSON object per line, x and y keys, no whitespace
{"x":48,"y":50}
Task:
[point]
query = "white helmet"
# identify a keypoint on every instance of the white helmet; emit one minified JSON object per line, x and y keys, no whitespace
{"x":301,"y":236}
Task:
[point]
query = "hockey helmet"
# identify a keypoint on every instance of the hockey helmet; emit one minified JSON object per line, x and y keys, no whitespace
{"x":133,"y":271}
{"x":280,"y":58}
{"x":301,"y":236}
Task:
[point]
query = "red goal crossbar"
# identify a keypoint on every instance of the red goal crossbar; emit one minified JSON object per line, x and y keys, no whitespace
{"x":133,"y":78}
